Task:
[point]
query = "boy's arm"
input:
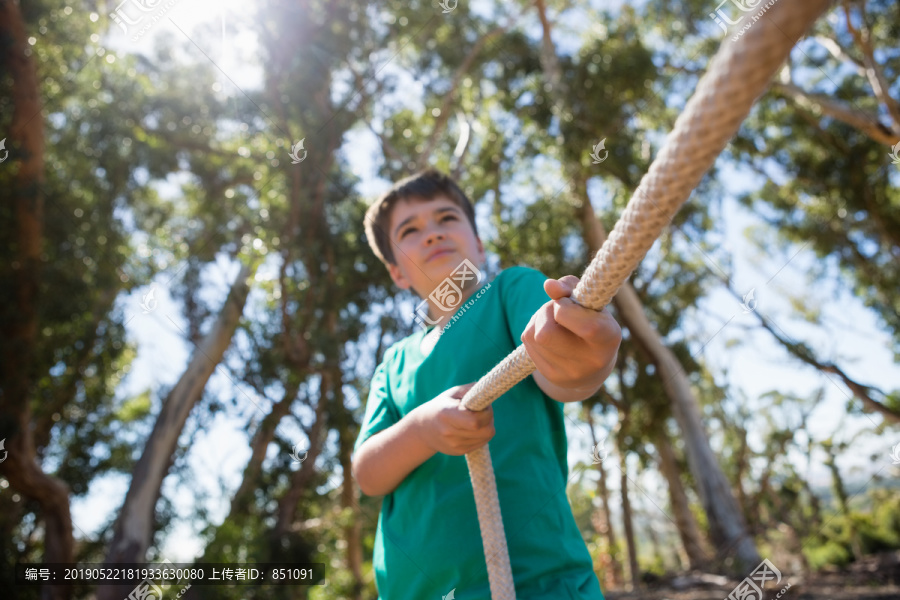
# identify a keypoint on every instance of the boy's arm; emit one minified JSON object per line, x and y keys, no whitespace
{"x":385,"y":459}
{"x":442,"y":424}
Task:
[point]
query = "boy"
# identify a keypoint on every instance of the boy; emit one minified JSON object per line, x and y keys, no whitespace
{"x":416,"y":432}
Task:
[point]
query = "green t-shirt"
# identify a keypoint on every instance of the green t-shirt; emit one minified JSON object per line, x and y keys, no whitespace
{"x":428,"y":540}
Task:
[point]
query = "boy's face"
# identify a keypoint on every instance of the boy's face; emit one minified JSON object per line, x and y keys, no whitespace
{"x":430,"y":239}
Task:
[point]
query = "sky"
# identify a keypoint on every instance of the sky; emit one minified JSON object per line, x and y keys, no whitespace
{"x":853,"y":338}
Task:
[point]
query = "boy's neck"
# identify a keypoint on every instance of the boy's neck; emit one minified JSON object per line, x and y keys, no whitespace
{"x":435,"y":313}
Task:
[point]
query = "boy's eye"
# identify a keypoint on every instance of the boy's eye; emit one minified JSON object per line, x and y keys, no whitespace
{"x":414,"y":229}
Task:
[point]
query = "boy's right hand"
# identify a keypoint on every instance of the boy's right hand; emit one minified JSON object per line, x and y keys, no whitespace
{"x":446,"y":426}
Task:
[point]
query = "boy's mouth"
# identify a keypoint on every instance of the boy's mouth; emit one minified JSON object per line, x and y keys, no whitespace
{"x":439,"y":253}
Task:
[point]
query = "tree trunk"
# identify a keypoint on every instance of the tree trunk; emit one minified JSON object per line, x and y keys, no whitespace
{"x":627,"y":517}
{"x":742,"y":463}
{"x":19,"y":326}
{"x":727,"y":526}
{"x":349,"y":496}
{"x":250,"y":480}
{"x":287,"y":506}
{"x":615,"y":575}
{"x":654,"y":539}
{"x":258,"y":445}
{"x":633,"y":572}
{"x":840,"y":493}
{"x":134,"y":525}
{"x":684,"y":518}
{"x":726,"y":523}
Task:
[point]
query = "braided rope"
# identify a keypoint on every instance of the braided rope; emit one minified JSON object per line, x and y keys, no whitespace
{"x":737,"y":76}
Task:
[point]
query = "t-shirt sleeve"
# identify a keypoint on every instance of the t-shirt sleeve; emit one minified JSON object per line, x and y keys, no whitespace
{"x":523,"y":294}
{"x":381,"y":412}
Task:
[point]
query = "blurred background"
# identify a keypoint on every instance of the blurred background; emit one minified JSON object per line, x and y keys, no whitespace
{"x":190,"y":313}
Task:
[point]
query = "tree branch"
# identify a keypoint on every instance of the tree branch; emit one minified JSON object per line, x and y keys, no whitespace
{"x":873,"y":69}
{"x":441,"y":123}
{"x":840,"y":53}
{"x":802,"y":352}
{"x":823,"y":105}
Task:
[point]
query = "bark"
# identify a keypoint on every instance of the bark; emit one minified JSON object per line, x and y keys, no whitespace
{"x":815,"y":506}
{"x":765,"y":514}
{"x":685,"y":522}
{"x":549,"y":59}
{"x":250,"y":480}
{"x":316,"y":271}
{"x":727,"y":526}
{"x":616,"y":575}
{"x":134,"y":525}
{"x":349,"y":497}
{"x":19,"y":326}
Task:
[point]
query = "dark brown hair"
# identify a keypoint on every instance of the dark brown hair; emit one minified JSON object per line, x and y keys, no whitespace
{"x":424,"y":185}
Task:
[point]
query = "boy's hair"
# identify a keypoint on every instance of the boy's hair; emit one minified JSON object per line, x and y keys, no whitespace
{"x":423,"y":186}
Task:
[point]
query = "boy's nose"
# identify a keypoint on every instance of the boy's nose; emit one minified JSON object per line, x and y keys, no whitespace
{"x":433,"y":235}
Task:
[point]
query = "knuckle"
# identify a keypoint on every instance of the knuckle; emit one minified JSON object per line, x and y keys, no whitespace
{"x":594,"y":328}
{"x":543,"y":335}
{"x":527,"y":335}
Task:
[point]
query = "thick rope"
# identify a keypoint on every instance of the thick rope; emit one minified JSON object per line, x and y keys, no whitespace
{"x":737,"y":76}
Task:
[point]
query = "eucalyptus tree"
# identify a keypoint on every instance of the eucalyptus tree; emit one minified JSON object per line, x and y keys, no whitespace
{"x":74,"y":243}
{"x":576,"y":103}
{"x":824,"y":139}
{"x":89,"y":133}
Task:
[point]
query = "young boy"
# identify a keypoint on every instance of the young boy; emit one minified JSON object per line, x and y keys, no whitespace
{"x":416,"y":432}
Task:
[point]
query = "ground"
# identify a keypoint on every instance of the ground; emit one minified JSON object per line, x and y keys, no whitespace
{"x":875,"y":577}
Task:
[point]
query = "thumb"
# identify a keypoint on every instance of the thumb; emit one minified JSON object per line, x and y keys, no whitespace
{"x":561,"y":288}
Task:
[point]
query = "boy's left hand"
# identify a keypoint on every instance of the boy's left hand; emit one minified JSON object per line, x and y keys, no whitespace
{"x":573,"y":347}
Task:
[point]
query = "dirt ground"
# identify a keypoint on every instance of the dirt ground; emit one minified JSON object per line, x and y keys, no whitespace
{"x":875,"y":577}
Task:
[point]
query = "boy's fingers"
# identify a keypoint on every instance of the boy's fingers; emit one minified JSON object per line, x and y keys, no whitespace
{"x":546,"y":331}
{"x":581,"y":321}
{"x":469,"y":420}
{"x":479,"y":418}
{"x":484,"y":417}
{"x":459,"y":391}
{"x":469,"y":439}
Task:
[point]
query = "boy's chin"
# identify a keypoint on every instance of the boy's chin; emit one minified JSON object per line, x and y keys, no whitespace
{"x":442,"y":267}
{"x":449,"y":268}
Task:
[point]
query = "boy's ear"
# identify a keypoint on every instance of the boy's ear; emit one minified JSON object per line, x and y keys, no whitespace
{"x":398,"y":277}
{"x":481,"y":252}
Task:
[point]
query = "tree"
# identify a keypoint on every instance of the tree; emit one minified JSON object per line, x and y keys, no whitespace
{"x":837,"y":114}
{"x":726,"y":522}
